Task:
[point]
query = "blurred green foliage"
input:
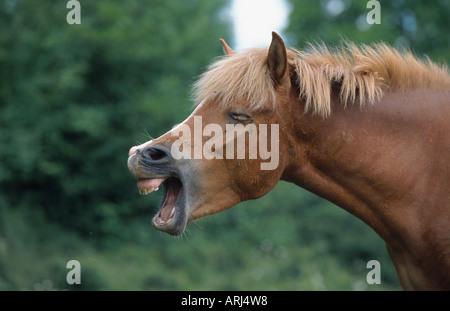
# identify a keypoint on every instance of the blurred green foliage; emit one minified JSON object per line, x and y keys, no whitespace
{"x":75,"y":98}
{"x":413,"y":24}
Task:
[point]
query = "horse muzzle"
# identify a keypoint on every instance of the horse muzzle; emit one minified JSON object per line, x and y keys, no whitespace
{"x":154,"y":166}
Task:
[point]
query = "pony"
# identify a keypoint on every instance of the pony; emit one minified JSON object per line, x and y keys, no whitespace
{"x":363,"y":126}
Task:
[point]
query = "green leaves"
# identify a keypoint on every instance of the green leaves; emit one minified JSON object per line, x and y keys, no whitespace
{"x":75,"y":98}
{"x":404,"y":24}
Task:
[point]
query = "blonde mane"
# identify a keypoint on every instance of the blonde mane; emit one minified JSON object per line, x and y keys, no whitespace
{"x":362,"y":73}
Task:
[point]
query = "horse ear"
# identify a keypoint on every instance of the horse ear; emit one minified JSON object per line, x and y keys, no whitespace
{"x":229,"y":51}
{"x":277,"y":59}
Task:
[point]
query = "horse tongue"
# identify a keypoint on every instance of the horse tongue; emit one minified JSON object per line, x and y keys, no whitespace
{"x":168,"y":209}
{"x":167,"y":213}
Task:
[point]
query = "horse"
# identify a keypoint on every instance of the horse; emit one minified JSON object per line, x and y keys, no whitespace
{"x":363,"y":126}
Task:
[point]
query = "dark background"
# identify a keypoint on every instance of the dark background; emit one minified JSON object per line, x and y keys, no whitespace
{"x":75,"y":98}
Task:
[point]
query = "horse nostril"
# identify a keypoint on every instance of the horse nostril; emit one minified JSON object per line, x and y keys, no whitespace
{"x":157,"y":155}
{"x":154,"y":153}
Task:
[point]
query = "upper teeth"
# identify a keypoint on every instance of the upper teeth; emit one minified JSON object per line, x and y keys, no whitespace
{"x":145,"y":191}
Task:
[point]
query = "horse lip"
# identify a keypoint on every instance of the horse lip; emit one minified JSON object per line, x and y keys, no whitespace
{"x":132,"y":164}
{"x":141,"y":171}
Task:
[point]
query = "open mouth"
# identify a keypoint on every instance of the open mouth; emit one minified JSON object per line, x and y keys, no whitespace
{"x":171,"y":216}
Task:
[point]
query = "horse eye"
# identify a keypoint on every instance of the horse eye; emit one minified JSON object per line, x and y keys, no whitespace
{"x":239,"y":116}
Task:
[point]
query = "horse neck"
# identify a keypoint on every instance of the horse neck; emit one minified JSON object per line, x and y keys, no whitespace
{"x":387,"y":164}
{"x":358,"y":159}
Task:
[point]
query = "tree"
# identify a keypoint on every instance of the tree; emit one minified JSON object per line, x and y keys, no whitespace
{"x":75,"y":98}
{"x":420,"y":26}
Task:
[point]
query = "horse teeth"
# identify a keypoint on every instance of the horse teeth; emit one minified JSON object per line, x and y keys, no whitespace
{"x":144,"y":191}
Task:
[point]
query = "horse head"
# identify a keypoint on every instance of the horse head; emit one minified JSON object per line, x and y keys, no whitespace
{"x":229,"y":149}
